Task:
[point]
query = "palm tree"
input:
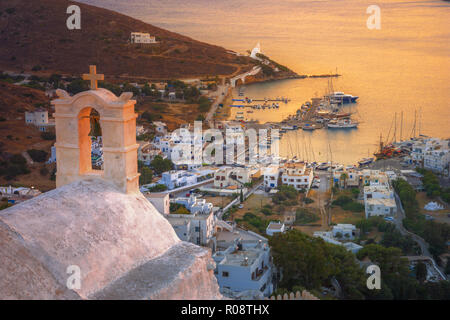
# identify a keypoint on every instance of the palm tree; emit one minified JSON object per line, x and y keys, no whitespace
{"x":344,"y":176}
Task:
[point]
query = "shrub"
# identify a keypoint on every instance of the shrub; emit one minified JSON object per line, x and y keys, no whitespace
{"x":18,"y":159}
{"x":44,"y":171}
{"x":355,"y":192}
{"x":37,"y":155}
{"x":48,"y":136}
{"x":303,"y":216}
{"x":158,"y":188}
{"x":177,"y":208}
{"x":284,"y":194}
{"x":353,"y":206}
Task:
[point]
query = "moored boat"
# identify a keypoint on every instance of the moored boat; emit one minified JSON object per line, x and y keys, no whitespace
{"x":342,"y":124}
{"x":365,"y":161}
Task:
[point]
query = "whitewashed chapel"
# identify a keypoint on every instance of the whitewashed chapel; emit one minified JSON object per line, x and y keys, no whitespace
{"x":97,"y":220}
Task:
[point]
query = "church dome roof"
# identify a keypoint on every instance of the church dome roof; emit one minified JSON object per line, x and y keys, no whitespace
{"x":89,"y":224}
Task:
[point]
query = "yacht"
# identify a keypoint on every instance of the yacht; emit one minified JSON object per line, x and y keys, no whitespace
{"x":342,"y":97}
{"x":365,"y":161}
{"x":342,"y":124}
{"x":323,"y":166}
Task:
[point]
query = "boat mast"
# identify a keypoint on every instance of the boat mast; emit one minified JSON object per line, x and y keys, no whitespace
{"x":395,"y":128}
{"x":401,"y":126}
{"x":381,"y":142}
{"x":420,"y":121}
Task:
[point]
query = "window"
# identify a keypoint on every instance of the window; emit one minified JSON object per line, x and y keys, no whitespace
{"x":225,"y":274}
{"x":197,"y":229}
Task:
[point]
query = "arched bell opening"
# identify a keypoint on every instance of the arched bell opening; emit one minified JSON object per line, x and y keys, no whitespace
{"x":90,"y":141}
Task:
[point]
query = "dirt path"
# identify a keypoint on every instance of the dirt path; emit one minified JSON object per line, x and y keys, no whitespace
{"x":27,"y":157}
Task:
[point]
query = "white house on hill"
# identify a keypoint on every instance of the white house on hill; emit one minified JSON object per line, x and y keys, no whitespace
{"x":39,"y":118}
{"x":142,"y":37}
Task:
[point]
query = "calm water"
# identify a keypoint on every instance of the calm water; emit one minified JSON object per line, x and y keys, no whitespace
{"x":402,"y":67}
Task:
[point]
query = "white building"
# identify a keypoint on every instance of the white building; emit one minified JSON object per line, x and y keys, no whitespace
{"x":297,"y":175}
{"x":175,"y":179}
{"x":18,"y":191}
{"x":39,"y":118}
{"x":430,"y":153}
{"x":160,"y":201}
{"x":379,"y":201}
{"x":197,"y":227}
{"x":160,"y":127}
{"x":271,"y":175}
{"x":182,"y":178}
{"x":346,"y":231}
{"x":374,"y":178}
{"x":256,"y":50}
{"x":352,"y":179}
{"x":437,"y":160}
{"x":195,"y":205}
{"x":328,"y":237}
{"x":232,"y":176}
{"x":275,"y":227}
{"x":245,"y":266}
{"x":142,"y":37}
{"x":140,"y":130}
{"x":352,"y":247}
{"x":52,"y":158}
{"x":147,"y":152}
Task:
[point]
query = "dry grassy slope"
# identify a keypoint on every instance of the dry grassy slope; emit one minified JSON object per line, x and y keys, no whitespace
{"x":36,"y":34}
{"x":14,"y":101}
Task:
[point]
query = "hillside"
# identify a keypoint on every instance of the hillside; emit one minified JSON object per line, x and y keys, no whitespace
{"x":16,"y":137}
{"x":33,"y":34}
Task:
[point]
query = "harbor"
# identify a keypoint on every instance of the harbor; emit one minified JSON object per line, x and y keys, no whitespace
{"x":323,"y":123}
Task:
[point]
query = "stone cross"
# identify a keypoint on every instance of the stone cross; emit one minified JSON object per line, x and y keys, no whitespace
{"x":93,"y":77}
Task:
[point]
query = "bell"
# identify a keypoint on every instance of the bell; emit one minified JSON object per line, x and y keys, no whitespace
{"x":96,"y":129}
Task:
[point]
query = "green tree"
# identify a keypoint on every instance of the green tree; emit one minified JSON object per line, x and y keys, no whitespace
{"x":344,"y":177}
{"x":161,"y":165}
{"x":77,"y":86}
{"x":421,"y":271}
{"x":311,"y":263}
{"x":146,"y":175}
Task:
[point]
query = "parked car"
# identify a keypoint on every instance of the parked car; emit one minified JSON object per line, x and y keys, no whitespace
{"x":241,"y":206}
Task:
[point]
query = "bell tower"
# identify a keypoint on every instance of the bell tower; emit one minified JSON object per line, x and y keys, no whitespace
{"x":73,"y":144}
